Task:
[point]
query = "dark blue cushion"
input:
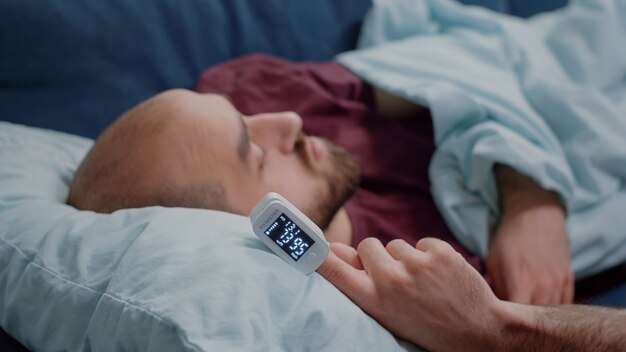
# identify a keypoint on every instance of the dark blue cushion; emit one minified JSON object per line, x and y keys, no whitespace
{"x":525,"y":8}
{"x":616,"y":297}
{"x":76,"y":65}
{"x":521,"y":8}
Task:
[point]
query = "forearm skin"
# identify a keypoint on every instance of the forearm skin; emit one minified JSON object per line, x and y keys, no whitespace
{"x":560,"y":328}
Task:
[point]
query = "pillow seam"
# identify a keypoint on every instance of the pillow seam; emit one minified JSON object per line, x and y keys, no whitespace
{"x":100,"y":295}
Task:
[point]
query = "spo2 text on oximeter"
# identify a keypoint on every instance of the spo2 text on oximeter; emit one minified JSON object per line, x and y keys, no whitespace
{"x":289,"y":237}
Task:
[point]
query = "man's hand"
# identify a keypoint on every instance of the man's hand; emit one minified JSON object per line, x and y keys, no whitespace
{"x":529,"y":257}
{"x":428,"y":295}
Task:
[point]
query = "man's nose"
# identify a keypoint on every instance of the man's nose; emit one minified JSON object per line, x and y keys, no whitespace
{"x":280,"y":130}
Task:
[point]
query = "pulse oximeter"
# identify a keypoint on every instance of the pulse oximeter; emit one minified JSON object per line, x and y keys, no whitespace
{"x":289,"y":233}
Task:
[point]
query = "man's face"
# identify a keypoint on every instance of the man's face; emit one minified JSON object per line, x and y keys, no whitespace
{"x":253,"y":155}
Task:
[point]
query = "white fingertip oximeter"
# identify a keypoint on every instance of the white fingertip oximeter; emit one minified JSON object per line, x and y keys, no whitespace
{"x":289,"y":233}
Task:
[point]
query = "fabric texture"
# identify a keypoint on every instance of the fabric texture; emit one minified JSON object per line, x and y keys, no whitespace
{"x":151,"y":279}
{"x":393,"y":199}
{"x":76,"y":66}
{"x":546,"y":96}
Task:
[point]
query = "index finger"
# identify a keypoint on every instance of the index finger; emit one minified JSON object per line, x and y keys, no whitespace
{"x":354,"y":283}
{"x":375,"y":258}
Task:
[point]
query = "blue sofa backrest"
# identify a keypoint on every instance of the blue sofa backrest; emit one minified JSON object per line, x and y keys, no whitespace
{"x":75,"y":65}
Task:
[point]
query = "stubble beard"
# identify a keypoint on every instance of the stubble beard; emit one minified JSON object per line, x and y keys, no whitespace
{"x":342,"y":178}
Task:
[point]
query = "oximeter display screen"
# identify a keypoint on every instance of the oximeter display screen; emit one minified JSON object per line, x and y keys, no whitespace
{"x":288,"y":236}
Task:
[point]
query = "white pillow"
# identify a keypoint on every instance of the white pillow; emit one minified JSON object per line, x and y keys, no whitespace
{"x":152,"y":279}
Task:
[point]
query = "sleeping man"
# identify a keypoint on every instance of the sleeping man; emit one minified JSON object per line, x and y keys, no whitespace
{"x":225,"y":146}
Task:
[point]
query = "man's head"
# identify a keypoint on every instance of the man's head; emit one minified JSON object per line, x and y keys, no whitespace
{"x":184,"y":149}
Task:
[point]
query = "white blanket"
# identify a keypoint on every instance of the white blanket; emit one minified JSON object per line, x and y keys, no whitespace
{"x":546,"y":96}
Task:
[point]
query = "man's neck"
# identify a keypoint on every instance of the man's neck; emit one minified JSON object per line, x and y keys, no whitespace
{"x":340,"y":228}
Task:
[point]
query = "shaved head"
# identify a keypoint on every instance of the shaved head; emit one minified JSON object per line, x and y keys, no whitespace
{"x":185,"y":149}
{"x":147,"y":158}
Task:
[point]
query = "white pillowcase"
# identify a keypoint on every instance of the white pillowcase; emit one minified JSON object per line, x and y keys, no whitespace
{"x":151,"y":279}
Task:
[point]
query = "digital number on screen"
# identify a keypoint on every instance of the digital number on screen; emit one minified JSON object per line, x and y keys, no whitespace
{"x":288,"y":236}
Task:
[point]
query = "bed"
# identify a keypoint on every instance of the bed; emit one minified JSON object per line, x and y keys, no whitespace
{"x":84,"y":281}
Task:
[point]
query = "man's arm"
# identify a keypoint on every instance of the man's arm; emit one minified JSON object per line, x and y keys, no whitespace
{"x":429,"y":295}
{"x":529,"y":258}
{"x":391,"y":106}
{"x":563,"y":328}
